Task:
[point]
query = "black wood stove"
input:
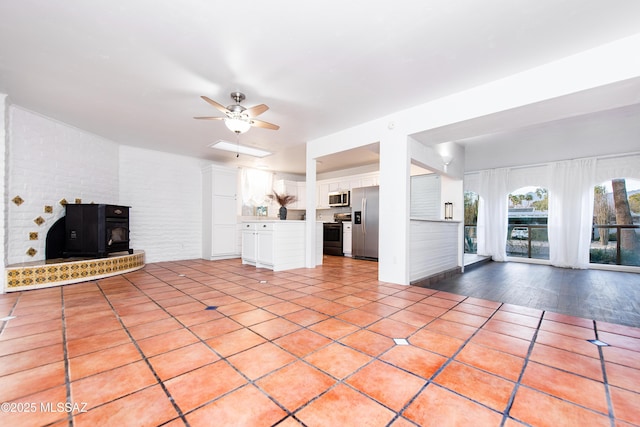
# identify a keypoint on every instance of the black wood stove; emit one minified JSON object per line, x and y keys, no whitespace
{"x":94,"y":230}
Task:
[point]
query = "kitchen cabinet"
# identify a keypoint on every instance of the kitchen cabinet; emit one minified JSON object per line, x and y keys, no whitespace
{"x":219,"y":212}
{"x":294,"y":188}
{"x":346,"y":238}
{"x":346,"y":183}
{"x":276,"y":245}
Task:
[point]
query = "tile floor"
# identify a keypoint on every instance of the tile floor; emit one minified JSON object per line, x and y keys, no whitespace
{"x":209,"y":344}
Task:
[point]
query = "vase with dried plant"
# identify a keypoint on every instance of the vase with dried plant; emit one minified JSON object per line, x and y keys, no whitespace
{"x":283,"y":200}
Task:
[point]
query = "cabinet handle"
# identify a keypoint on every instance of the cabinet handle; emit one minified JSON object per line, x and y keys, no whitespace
{"x":264,"y":225}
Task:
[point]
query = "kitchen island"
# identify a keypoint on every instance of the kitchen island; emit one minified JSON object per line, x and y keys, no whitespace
{"x":277,"y":245}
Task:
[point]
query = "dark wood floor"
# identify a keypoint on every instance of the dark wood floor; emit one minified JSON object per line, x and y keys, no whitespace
{"x":593,"y":294}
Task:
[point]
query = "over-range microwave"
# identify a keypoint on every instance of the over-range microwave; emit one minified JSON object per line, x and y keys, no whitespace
{"x":339,"y":198}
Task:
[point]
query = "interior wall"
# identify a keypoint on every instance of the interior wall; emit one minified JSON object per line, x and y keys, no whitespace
{"x":49,"y":163}
{"x":165,"y":193}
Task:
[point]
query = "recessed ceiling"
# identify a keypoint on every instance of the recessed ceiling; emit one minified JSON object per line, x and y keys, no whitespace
{"x":133,"y":71}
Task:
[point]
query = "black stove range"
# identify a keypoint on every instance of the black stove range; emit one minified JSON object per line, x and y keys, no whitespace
{"x":332,"y":232}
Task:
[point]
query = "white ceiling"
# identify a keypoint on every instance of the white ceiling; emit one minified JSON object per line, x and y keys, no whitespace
{"x":133,"y":71}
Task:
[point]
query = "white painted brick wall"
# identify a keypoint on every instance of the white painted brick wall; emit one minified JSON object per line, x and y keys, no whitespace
{"x":3,"y":189}
{"x":49,"y":161}
{"x":165,"y":193}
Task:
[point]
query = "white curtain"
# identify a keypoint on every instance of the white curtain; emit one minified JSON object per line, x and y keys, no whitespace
{"x":571,"y":212}
{"x":493,"y":214}
{"x":256,"y":185}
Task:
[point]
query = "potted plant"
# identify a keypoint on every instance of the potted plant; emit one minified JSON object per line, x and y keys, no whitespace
{"x":283,"y":200}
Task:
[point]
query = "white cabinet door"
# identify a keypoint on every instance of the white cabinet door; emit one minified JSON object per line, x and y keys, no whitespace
{"x":265,"y":247}
{"x":225,"y":182}
{"x":323,"y":195}
{"x":249,"y":246}
{"x":225,"y":240}
{"x":302,"y":195}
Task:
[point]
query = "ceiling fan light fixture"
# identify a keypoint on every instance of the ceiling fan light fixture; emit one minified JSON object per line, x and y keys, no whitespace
{"x":237,"y":125}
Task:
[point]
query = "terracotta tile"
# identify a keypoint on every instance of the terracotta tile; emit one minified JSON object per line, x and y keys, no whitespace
{"x":144,"y":317}
{"x":493,"y":361}
{"x":110,"y":385}
{"x":436,"y":406}
{"x":29,"y":359}
{"x":567,"y":361}
{"x":147,"y":407}
{"x":518,"y":309}
{"x":450,"y":296}
{"x":505,"y":343}
{"x":626,"y":405}
{"x":30,"y":381}
{"x":516,"y":318}
{"x":621,"y":356}
{"x":427,"y":310}
{"x":623,"y":377}
{"x":41,"y":415}
{"x":386,"y":384}
{"x":235,"y":342}
{"x":166,"y":342}
{"x":233,"y":410}
{"x":95,"y":343}
{"x":253,"y":317}
{"x":412,"y":294}
{"x":158,"y":327}
{"x":478,"y":310}
{"x":539,"y":409}
{"x":368,"y":342}
{"x":331,"y":308}
{"x":128,"y":310}
{"x":302,"y":342}
{"x":184,"y":359}
{"x":236,"y":308}
{"x":439,"y":302}
{"x":197,"y":317}
{"x":565,"y":342}
{"x":260,"y":360}
{"x":275,"y":328}
{"x":359,"y":317}
{"x":17,"y":345}
{"x":438,"y":343}
{"x":378,"y":308}
{"x":215,"y":328}
{"x":340,"y":406}
{"x":284,"y":307}
{"x":397,"y":302}
{"x":307,"y":301}
{"x":613,"y":328}
{"x":306,"y":317}
{"x":412,"y":318}
{"x":623,"y":341}
{"x":206,"y":381}
{"x":104,"y":360}
{"x":295,"y":385}
{"x":352,"y":301}
{"x":570,"y":320}
{"x":338,"y":360}
{"x":415,"y":360}
{"x":402,"y":422}
{"x":464,"y":318}
{"x":190,"y":307}
{"x":574,"y":331}
{"x":333,"y":328}
{"x":511,"y":329}
{"x":453,"y":329}
{"x":570,"y":387}
{"x":477,"y":385}
{"x":393,"y":328}
{"x":10,"y":332}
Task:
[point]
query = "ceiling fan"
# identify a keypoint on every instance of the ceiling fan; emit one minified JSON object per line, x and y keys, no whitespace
{"x":238,"y":118}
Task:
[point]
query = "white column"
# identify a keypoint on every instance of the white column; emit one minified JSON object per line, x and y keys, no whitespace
{"x":4,"y":131}
{"x":393,"y":251}
{"x":311,"y":213}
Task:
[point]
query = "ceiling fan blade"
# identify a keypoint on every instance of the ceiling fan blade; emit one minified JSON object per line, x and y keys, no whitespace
{"x":266,"y":125}
{"x":215,"y":104}
{"x":210,"y":118}
{"x":256,"y":111}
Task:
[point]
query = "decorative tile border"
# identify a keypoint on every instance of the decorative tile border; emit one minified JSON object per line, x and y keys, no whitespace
{"x":21,"y":278}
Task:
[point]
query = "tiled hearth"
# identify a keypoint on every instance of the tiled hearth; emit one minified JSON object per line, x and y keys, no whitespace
{"x":207,"y":343}
{"x":44,"y":274}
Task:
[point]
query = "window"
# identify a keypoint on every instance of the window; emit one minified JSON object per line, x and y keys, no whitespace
{"x":615,"y":236}
{"x":527,"y":227}
{"x":471,"y":200}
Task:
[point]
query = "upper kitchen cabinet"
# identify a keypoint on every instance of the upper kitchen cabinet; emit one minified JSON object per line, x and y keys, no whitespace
{"x":219,"y":212}
{"x":345,"y":183}
{"x":294,"y":188}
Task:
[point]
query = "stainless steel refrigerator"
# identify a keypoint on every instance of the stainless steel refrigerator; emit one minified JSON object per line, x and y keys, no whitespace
{"x":364,"y":216}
